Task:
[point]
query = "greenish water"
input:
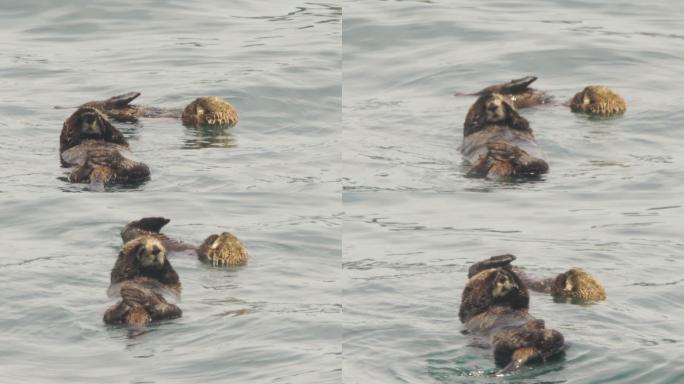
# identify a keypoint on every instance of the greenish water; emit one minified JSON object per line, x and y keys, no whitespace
{"x":344,"y":181}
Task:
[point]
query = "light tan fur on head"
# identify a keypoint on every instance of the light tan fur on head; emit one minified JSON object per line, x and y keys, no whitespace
{"x":577,"y":283}
{"x":493,"y":109}
{"x":598,"y":100}
{"x":224,"y":249}
{"x":149,"y":251}
{"x":209,"y":111}
{"x":503,"y":285}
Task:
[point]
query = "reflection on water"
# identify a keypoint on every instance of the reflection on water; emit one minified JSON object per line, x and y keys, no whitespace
{"x":208,"y":137}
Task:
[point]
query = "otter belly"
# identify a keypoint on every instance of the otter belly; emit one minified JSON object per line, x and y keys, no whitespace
{"x":498,"y":151}
{"x":79,"y":154}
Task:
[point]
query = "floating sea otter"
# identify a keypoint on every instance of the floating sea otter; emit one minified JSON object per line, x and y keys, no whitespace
{"x":94,"y":147}
{"x":594,"y":99}
{"x":574,"y":283}
{"x":495,"y":304}
{"x":203,"y":111}
{"x":517,"y":92}
{"x":142,"y":275}
{"x":498,"y":142}
{"x":598,"y":100}
{"x":223,"y":249}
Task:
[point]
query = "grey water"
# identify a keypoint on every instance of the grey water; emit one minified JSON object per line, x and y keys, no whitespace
{"x":611,"y":202}
{"x":272,"y":180}
{"x":344,"y":181}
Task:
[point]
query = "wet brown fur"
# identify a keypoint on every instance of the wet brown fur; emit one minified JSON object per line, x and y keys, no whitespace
{"x":151,"y":226}
{"x":223,"y":250}
{"x":495,"y":303}
{"x":72,"y":135}
{"x":140,"y":273}
{"x":119,"y":107}
{"x":582,"y":285}
{"x":598,"y":100}
{"x":98,"y":162}
{"x":219,"y":250}
{"x":518,"y":92}
{"x":96,"y":157}
{"x":491,"y":141}
{"x":209,"y":111}
{"x":578,"y":284}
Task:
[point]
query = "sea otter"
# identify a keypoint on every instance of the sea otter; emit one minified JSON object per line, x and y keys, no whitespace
{"x":498,"y":142}
{"x":218,"y":250}
{"x":204,"y":111}
{"x":516,"y":92}
{"x":495,"y":304}
{"x":142,"y":275}
{"x":94,"y":148}
{"x":209,"y":111}
{"x":574,"y":283}
{"x":598,"y":100}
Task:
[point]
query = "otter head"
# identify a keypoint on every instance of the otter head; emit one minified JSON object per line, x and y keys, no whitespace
{"x":575,"y":283}
{"x":493,"y":287}
{"x":88,"y":123}
{"x":493,"y":109}
{"x":209,"y":111}
{"x":150,"y":253}
{"x":224,"y":249}
{"x":598,"y":100}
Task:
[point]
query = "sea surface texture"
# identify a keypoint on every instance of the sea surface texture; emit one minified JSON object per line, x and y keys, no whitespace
{"x":611,"y":203}
{"x":344,"y":181}
{"x":272,"y":181}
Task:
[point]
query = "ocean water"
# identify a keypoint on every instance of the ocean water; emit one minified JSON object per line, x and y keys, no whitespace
{"x":272,"y":180}
{"x":344,"y":181}
{"x":611,"y":202}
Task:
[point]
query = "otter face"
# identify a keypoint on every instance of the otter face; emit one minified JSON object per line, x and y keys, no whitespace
{"x":503,"y":284}
{"x":90,"y":125}
{"x":151,"y":253}
{"x":209,"y":111}
{"x":598,"y":100}
{"x":495,"y":111}
{"x":575,"y":283}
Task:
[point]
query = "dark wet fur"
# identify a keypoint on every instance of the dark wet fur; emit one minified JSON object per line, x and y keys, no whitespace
{"x":516,"y":337}
{"x":491,"y":147}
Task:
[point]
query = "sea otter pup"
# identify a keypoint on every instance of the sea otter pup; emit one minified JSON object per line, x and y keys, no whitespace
{"x":218,"y":250}
{"x":93,"y":146}
{"x":495,"y":304}
{"x":574,"y":283}
{"x":598,"y":100}
{"x":209,"y":111}
{"x":498,"y":142}
{"x":203,"y":111}
{"x":142,"y":275}
{"x":518,"y":92}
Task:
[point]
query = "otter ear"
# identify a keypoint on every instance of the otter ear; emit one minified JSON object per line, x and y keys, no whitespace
{"x":513,"y":118}
{"x":492,"y":262}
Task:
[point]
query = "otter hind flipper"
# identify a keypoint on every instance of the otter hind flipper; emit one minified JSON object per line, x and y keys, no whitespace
{"x":519,"y":85}
{"x":492,"y":262}
{"x":146,"y":224}
{"x":121,"y":101}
